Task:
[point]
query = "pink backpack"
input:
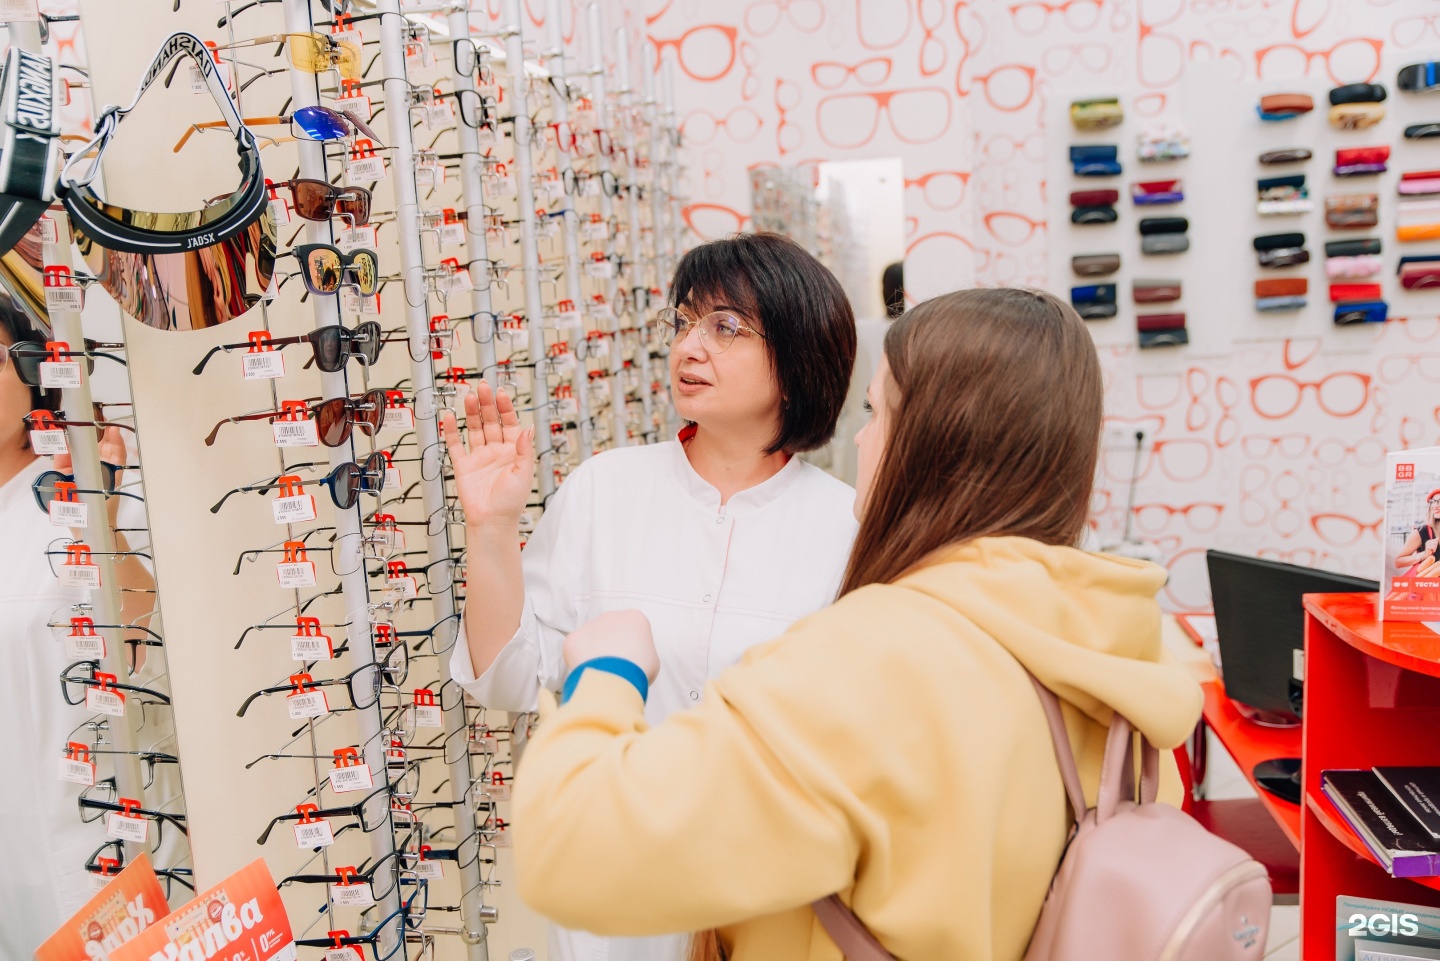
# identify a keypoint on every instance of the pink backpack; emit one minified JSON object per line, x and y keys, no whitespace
{"x":1137,"y":882}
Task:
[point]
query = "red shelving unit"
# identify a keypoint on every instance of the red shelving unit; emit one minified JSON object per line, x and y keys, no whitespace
{"x":1372,"y":697}
{"x":1249,"y":744}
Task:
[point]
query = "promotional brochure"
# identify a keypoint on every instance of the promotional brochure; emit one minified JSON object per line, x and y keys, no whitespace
{"x":1410,"y":582}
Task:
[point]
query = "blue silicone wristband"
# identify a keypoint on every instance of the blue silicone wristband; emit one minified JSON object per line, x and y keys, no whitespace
{"x":618,"y":666}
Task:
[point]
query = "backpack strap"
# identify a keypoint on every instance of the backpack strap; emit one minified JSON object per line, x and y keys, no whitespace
{"x":1117,"y":771}
{"x":1064,"y":754}
{"x":849,"y":932}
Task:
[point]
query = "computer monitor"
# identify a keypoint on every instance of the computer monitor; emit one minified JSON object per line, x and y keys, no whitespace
{"x":1260,"y":624}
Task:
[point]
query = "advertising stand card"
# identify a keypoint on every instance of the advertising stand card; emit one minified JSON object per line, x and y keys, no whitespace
{"x":123,"y":910}
{"x":240,"y":919}
{"x":1410,"y":582}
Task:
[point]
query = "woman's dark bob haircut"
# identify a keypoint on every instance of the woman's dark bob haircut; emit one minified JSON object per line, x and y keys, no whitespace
{"x":800,"y":307}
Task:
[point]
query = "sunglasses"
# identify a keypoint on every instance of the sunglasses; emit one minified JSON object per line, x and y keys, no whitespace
{"x":334,"y":418}
{"x":311,"y":52}
{"x":346,"y":482}
{"x":319,"y":201}
{"x":46,"y":486}
{"x":26,"y":356}
{"x":320,"y":124}
{"x":332,"y":346}
{"x":323,"y":268}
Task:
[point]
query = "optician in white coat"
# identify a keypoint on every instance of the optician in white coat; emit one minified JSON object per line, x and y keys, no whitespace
{"x":722,"y":537}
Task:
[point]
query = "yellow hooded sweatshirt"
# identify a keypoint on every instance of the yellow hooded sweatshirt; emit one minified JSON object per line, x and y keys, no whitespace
{"x":889,"y":747}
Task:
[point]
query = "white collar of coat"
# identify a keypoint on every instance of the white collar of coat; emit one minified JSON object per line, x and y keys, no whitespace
{"x":750,"y":499}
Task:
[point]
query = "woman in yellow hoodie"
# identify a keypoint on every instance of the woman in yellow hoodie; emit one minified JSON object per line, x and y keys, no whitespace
{"x":889,"y":747}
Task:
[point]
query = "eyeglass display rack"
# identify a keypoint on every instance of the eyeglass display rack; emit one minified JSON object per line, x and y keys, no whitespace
{"x":570,"y":345}
{"x":106,"y":739}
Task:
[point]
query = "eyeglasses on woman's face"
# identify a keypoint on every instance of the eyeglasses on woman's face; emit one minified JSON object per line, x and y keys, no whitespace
{"x":718,"y":329}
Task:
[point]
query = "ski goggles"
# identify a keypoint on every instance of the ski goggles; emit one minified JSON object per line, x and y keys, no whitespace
{"x":148,"y":233}
{"x":324,"y":268}
{"x":332,"y":345}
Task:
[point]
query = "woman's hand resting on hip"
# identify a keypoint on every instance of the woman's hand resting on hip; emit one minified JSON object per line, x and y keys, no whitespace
{"x":493,"y":478}
{"x":614,"y":634}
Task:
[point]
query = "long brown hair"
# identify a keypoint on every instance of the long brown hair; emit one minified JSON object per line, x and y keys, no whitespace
{"x":995,"y":403}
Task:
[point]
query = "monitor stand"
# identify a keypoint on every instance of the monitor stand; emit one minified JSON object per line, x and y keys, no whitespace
{"x":1264,"y":718}
{"x":1281,"y":777}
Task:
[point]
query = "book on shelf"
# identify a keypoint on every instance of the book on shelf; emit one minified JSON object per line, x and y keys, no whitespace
{"x":1410,"y":581}
{"x":1367,"y":950}
{"x":1397,"y":840}
{"x":1418,"y":788}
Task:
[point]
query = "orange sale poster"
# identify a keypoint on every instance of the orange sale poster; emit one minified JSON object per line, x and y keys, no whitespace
{"x":121,"y":911}
{"x":240,"y":919}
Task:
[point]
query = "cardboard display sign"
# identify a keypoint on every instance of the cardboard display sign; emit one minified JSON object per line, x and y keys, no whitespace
{"x":127,"y":907}
{"x":240,"y":919}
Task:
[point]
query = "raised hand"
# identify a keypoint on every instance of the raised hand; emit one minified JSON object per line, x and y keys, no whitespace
{"x":493,"y":478}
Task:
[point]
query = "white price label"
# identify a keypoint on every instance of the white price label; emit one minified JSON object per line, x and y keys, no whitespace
{"x":280,"y":211}
{"x":488,"y":91}
{"x":60,"y":373}
{"x":309,"y":704}
{"x":485,"y":136}
{"x":355,"y":895}
{"x":310,"y":647}
{"x":98,"y":882}
{"x":349,"y":300}
{"x":356,"y":777}
{"x":353,"y":238}
{"x":439,"y":114}
{"x":498,"y":790}
{"x":124,"y":827}
{"x":398,"y":418}
{"x":77,"y":772}
{"x":105,"y":702}
{"x":16,"y":11}
{"x":452,"y":234}
{"x":503,"y":186}
{"x":552,"y":186}
{"x":296,"y":573}
{"x":460,"y":281}
{"x":429,"y":175}
{"x":501,"y":838}
{"x":315,"y":834}
{"x":89,"y":647}
{"x":64,"y":298}
{"x":69,"y":514}
{"x":429,"y":870}
{"x":392,"y":479}
{"x":570,"y":319}
{"x":363,"y":170}
{"x":84,"y":576}
{"x":371,"y":304}
{"x":405,"y":584}
{"x":289,"y":510}
{"x":342,"y":953}
{"x":263,"y":365}
{"x":295,"y":433}
{"x":427,"y":715}
{"x":49,"y":231}
{"x":48,"y":442}
{"x":357,"y":107}
{"x":600,"y":269}
{"x":596,"y":232}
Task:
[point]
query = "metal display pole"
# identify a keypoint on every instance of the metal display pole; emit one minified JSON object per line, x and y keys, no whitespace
{"x":476,"y":240}
{"x":673,"y":219}
{"x":407,"y":210}
{"x":529,"y":250}
{"x":76,"y":403}
{"x":596,"y":32}
{"x":659,"y":199}
{"x":634,"y":247}
{"x":570,"y":228}
{"x":354,"y":585}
